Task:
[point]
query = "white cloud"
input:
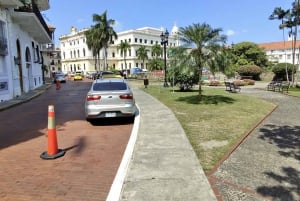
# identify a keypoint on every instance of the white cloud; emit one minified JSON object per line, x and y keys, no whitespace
{"x":230,"y":32}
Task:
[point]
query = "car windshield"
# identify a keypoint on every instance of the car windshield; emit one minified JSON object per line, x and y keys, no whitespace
{"x":109,"y":86}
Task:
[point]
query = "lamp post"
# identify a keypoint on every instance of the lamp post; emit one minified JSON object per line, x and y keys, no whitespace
{"x":164,"y":41}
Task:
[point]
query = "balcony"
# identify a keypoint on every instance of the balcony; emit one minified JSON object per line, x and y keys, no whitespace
{"x":10,"y":3}
{"x":30,"y":20}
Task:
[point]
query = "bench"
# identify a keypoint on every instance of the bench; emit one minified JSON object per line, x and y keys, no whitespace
{"x":230,"y":86}
{"x":285,"y":87}
{"x":278,"y":86}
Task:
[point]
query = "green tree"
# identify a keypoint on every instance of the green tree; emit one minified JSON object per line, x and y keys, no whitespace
{"x":124,"y":47}
{"x":142,"y":54}
{"x":103,"y":33}
{"x":93,"y":42}
{"x":281,"y":14}
{"x":204,"y":38}
{"x":280,"y":71}
{"x":252,"y":71}
{"x":182,"y":70}
{"x":155,"y":64}
{"x":248,"y":53}
{"x":156,"y":50}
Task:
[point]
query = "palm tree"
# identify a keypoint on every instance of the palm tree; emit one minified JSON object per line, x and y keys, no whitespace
{"x":156,"y":50}
{"x":124,"y":47}
{"x":205,"y":39}
{"x":142,"y":54}
{"x":94,"y":44}
{"x":281,"y":14}
{"x":103,"y":33}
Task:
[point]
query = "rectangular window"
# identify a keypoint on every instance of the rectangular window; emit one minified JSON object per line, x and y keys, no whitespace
{"x":3,"y":40}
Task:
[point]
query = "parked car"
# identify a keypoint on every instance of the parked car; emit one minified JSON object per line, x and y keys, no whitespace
{"x":59,"y":77}
{"x":108,"y":74}
{"x":78,"y":76}
{"x":109,"y":98}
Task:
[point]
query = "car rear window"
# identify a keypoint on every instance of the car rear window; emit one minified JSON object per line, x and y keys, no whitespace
{"x":109,"y":86}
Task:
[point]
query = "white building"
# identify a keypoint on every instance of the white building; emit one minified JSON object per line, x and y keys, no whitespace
{"x":51,"y":56}
{"x":22,"y":30}
{"x":77,"y":57}
{"x":282,"y":51}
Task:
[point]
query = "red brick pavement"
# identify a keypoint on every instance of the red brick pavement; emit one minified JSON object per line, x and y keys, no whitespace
{"x":86,"y":172}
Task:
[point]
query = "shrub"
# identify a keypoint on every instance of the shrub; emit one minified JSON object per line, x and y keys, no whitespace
{"x":249,"y":81}
{"x":185,"y":82}
{"x":214,"y":83}
{"x":280,"y":71}
{"x":250,"y":70}
{"x":239,"y":82}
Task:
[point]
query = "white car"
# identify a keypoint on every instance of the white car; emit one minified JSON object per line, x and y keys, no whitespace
{"x":109,"y":98}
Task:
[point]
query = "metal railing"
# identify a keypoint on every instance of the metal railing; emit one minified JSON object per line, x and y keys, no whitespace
{"x":33,"y":8}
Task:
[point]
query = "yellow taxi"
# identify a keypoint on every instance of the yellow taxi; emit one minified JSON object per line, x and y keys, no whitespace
{"x":78,"y":76}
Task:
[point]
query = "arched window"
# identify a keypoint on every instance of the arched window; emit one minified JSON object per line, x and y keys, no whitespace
{"x":83,"y":52}
{"x":27,"y":57}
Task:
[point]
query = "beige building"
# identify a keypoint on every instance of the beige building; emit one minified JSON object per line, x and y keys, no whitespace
{"x":77,"y":57}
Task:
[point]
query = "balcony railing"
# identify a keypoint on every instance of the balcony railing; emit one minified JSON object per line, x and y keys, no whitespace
{"x":33,"y":8}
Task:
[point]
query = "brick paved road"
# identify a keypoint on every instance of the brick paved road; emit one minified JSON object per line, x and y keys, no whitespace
{"x":93,"y":153}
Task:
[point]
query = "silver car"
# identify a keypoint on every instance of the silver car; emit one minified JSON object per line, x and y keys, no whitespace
{"x":108,"y":98}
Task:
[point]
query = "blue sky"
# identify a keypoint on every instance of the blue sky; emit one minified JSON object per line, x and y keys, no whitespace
{"x":240,"y":20}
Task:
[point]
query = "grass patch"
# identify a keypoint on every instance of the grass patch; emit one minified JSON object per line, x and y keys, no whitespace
{"x":215,"y":123}
{"x":294,"y":91}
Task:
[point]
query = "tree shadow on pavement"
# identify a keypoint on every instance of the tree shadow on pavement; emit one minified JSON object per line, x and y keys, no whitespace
{"x":290,"y":188}
{"x":287,"y":139}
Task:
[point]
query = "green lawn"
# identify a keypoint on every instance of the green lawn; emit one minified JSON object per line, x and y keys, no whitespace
{"x":215,"y":123}
{"x":294,"y":91}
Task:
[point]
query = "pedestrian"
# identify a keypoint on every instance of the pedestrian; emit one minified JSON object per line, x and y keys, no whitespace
{"x":146,"y":82}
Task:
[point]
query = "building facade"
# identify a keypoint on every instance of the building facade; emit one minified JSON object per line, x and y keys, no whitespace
{"x":51,"y":56}
{"x":282,"y":52}
{"x":22,"y":31}
{"x":75,"y":55}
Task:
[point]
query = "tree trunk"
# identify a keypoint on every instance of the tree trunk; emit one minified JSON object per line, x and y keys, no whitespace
{"x":200,"y":83}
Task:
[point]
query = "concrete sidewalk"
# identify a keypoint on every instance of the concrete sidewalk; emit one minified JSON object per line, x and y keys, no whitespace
{"x":163,"y":166}
{"x":159,"y":162}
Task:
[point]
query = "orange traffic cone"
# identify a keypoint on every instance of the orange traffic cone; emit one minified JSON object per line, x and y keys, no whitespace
{"x":53,"y":152}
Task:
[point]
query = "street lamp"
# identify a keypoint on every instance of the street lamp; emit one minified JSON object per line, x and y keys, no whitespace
{"x":164,"y":41}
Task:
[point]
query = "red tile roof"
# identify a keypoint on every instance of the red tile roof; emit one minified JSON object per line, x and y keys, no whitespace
{"x":278,"y":45}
